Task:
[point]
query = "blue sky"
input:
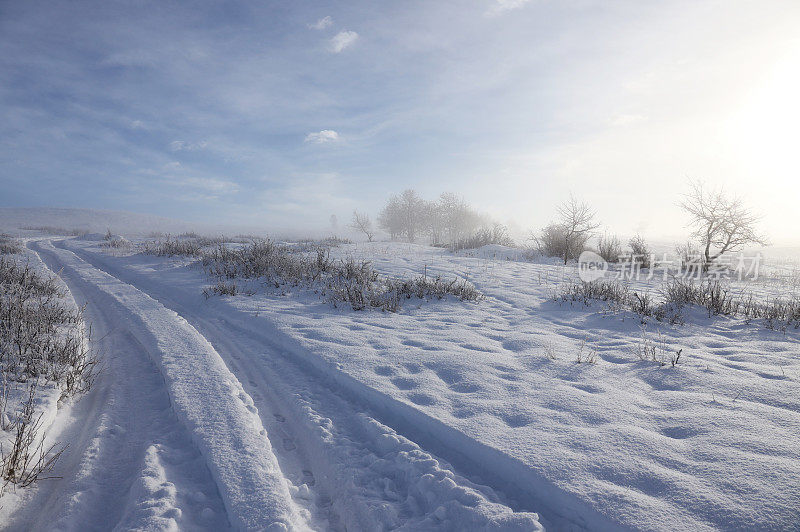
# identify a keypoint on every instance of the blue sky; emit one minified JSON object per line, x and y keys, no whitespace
{"x":282,"y":113}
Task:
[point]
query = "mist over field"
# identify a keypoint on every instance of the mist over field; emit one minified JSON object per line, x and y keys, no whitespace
{"x":508,"y":265}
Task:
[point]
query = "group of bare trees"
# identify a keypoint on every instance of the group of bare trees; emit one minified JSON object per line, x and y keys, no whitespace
{"x":720,"y":224}
{"x":408,"y":216}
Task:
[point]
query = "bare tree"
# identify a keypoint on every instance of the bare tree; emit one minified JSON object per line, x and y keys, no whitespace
{"x":389,"y":218}
{"x":577,"y":223}
{"x":412,"y":213}
{"x":404,"y":215}
{"x":362,"y":223}
{"x":459,"y":220}
{"x":722,"y":224}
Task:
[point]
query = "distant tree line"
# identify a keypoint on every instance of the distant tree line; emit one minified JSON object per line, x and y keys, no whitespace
{"x":721,"y":224}
{"x":447,"y":221}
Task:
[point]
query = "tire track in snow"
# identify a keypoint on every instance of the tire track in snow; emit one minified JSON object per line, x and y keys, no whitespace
{"x":207,"y":398}
{"x":124,"y":468}
{"x":489,"y":465}
{"x":363,"y":474}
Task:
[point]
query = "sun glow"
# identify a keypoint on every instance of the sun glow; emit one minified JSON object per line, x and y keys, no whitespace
{"x":767,"y":129}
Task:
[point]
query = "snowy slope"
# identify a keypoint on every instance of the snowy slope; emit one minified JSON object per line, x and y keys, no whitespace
{"x":288,"y":450}
{"x":447,"y":415}
{"x":710,"y":444}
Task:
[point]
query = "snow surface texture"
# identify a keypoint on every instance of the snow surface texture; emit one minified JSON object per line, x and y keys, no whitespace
{"x":447,"y":415}
{"x":621,"y":443}
{"x":289,"y":450}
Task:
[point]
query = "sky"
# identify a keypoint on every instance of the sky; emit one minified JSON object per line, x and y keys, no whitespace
{"x":279,"y":114}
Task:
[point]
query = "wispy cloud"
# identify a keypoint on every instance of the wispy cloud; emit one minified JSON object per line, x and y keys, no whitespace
{"x":322,"y":137}
{"x":180,"y":145}
{"x":501,"y":6}
{"x":342,"y":40}
{"x":322,"y":23}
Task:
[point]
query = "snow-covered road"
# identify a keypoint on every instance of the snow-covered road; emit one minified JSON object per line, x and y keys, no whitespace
{"x":278,"y":410}
{"x":202,"y":420}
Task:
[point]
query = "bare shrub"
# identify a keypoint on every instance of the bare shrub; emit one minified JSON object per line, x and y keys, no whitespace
{"x":710,"y":294}
{"x":117,"y":243}
{"x":640,"y":252}
{"x":609,"y":247}
{"x":40,"y":336}
{"x":170,"y":247}
{"x":222,"y":288}
{"x":585,"y":354}
{"x":690,"y":257}
{"x":600,"y":290}
{"x":497,"y":234}
{"x":27,"y":460}
{"x":42,"y":339}
{"x":344,"y":280}
{"x":9,"y":245}
{"x":553,"y":241}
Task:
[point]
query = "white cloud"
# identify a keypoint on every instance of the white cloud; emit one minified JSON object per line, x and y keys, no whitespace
{"x":321,"y":24}
{"x":179,"y":145}
{"x":342,"y":40}
{"x":501,"y":6}
{"x":322,"y":137}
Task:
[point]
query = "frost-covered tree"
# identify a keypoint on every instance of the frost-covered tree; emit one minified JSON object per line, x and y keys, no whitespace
{"x":458,"y":219}
{"x":577,"y":222}
{"x":389,"y":218}
{"x":721,"y":223}
{"x":361,"y":222}
{"x":403,"y":215}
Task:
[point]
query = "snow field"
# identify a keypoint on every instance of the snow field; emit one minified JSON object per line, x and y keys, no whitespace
{"x":370,"y":477}
{"x":621,"y":443}
{"x":207,"y":400}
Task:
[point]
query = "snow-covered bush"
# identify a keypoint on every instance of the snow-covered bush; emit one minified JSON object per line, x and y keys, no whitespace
{"x":40,"y":335}
{"x":640,"y":252}
{"x":42,"y":343}
{"x":609,"y":247}
{"x":497,"y":234}
{"x":553,"y":241}
{"x":9,"y":245}
{"x":341,"y":280}
{"x":710,"y":294}
{"x":117,"y":242}
{"x":172,"y":247}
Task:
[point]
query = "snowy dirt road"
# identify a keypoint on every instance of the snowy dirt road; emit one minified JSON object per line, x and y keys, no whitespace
{"x":203,"y":421}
